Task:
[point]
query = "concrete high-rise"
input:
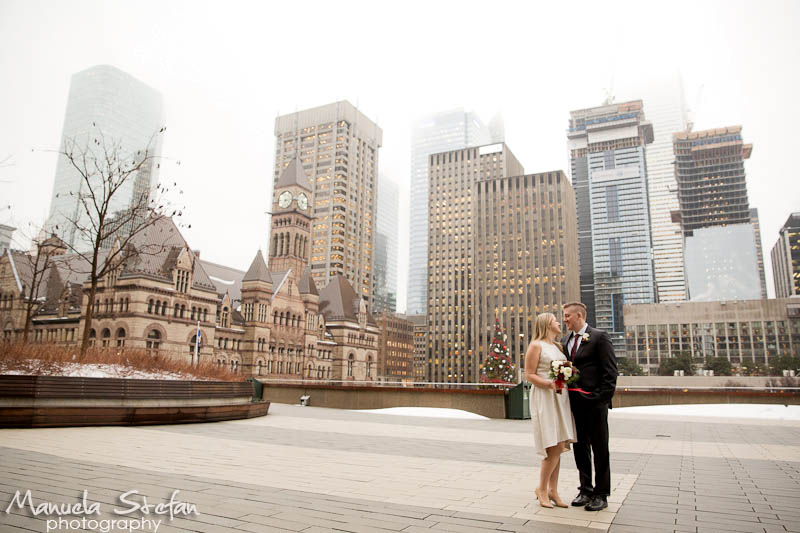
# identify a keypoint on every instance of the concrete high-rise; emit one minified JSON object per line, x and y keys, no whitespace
{"x":666,"y":109}
{"x":386,"y":247}
{"x":712,"y":193}
{"x":609,"y":175}
{"x":338,"y":149}
{"x":786,"y":259}
{"x":435,"y":133}
{"x":709,"y":170}
{"x":451,"y":256}
{"x":526,"y":256}
{"x":105,"y":100}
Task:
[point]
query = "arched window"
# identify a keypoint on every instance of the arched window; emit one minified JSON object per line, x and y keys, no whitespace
{"x":158,"y":307}
{"x":205,"y":315}
{"x":275,"y":318}
{"x":183,"y":310}
{"x":310,"y":369}
{"x":150,"y":306}
{"x":120,"y":337}
{"x":350,"y":361}
{"x":164,"y":309}
{"x":105,"y":335}
{"x":92,"y":336}
{"x":194,"y":310}
{"x":280,"y":367}
{"x":225,"y":317}
{"x":153,"y":339}
{"x":260,"y":366}
{"x":192,"y":343}
{"x":369,"y":366}
{"x":330,"y":370}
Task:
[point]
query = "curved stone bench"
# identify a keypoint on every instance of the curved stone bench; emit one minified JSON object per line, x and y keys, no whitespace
{"x":51,"y":401}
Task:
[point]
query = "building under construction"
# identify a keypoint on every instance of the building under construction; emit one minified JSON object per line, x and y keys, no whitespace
{"x":709,"y":169}
{"x":714,"y":209}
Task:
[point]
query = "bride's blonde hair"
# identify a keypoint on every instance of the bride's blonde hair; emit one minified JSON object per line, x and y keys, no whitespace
{"x":542,"y":325}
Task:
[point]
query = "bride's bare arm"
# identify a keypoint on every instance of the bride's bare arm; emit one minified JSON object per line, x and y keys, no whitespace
{"x":531,"y":362}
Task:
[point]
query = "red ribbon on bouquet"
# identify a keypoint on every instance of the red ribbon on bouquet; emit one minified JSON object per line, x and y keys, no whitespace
{"x":579,"y":390}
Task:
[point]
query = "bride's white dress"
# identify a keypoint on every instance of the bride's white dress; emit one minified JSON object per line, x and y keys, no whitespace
{"x":550,"y":412}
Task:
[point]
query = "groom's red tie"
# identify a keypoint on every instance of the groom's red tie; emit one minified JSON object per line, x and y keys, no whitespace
{"x":574,"y":346}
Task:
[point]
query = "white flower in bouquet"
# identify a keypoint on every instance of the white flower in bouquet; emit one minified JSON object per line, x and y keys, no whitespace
{"x":555,"y":365}
{"x":567,"y":371}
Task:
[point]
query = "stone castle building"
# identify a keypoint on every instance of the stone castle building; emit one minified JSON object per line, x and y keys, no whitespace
{"x":270,"y":322}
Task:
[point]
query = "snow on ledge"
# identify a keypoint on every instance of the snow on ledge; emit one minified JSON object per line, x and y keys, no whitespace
{"x":722,"y":410}
{"x":432,"y":412}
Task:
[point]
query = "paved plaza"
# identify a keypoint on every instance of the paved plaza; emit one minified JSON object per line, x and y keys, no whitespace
{"x":312,"y":469}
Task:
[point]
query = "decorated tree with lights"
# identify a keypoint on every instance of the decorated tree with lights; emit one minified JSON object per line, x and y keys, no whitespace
{"x":498,"y":368}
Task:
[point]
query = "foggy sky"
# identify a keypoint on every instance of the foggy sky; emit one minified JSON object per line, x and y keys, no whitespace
{"x":226,"y":69}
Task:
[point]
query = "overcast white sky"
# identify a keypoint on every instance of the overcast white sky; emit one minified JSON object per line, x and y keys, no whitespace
{"x":226,"y":69}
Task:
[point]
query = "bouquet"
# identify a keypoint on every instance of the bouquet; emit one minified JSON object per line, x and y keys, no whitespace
{"x":563,"y":373}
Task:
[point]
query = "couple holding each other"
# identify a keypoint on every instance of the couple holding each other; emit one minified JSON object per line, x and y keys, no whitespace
{"x":578,"y":417}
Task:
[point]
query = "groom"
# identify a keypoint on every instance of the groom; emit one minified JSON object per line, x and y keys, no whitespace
{"x":592,"y":353}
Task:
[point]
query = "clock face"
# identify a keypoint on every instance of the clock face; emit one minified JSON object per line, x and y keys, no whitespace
{"x":285,"y":199}
{"x":302,"y":201}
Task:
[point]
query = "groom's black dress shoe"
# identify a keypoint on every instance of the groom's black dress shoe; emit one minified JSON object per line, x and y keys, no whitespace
{"x":597,"y":504}
{"x":581,"y":500}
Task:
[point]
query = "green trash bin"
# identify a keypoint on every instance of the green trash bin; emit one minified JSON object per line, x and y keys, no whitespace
{"x":517,"y":402}
{"x":258,"y":389}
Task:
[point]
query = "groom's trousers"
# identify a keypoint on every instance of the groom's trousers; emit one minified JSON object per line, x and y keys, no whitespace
{"x":591,"y":422}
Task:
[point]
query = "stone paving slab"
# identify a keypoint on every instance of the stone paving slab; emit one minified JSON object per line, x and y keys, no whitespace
{"x":311,"y":469}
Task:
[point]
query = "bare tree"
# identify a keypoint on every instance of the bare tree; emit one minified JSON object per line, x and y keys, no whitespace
{"x":104,"y":227}
{"x":28,"y":276}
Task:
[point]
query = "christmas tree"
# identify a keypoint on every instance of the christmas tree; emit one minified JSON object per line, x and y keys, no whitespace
{"x":498,"y":368}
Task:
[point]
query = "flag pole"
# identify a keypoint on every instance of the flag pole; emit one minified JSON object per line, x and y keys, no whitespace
{"x":196,"y":358}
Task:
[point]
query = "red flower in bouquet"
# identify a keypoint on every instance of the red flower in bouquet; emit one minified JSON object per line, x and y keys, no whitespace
{"x":563,"y":373}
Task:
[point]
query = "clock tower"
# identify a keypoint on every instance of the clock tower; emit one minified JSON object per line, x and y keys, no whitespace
{"x":290,"y":242}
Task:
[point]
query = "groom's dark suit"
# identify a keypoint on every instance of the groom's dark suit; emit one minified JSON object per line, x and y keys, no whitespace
{"x":597,"y":364}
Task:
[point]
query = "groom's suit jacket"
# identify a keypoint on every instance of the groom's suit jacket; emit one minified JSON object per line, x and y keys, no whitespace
{"x":597,"y":363}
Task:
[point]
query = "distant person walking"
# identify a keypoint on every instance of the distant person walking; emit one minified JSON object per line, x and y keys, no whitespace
{"x":592,"y":353}
{"x":553,"y":425}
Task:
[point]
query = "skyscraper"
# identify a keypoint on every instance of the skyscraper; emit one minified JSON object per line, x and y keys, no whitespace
{"x":709,"y":170}
{"x":439,"y":132}
{"x":107,"y":100}
{"x":526,"y":256}
{"x":386,"y":247}
{"x":451,"y":262}
{"x":609,"y":174}
{"x":786,"y":259}
{"x":665,"y":108}
{"x":712,"y":193}
{"x":338,"y":149}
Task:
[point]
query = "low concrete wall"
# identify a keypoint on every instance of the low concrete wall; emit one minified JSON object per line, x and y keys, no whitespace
{"x":492,"y":403}
{"x":694,"y":381}
{"x":49,"y":401}
{"x":634,"y":397}
{"x":489,"y":403}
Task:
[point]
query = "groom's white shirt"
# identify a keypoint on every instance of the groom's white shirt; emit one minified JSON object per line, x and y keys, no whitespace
{"x":576,"y":338}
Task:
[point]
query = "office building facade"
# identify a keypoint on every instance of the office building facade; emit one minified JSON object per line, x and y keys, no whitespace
{"x":337,"y":146}
{"x":526,"y":256}
{"x":786,"y":258}
{"x":451,"y":261}
{"x":745,"y":331}
{"x":607,"y":151}
{"x":722,"y":264}
{"x":666,"y":109}
{"x":435,"y":133}
{"x":104,"y":100}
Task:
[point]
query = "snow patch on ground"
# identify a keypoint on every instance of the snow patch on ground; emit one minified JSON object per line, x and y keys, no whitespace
{"x":723,"y":410}
{"x":96,"y":370}
{"x":433,"y":412}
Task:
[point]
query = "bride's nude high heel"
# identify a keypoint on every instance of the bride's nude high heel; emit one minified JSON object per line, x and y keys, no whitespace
{"x":556,"y":499}
{"x":544,"y":502}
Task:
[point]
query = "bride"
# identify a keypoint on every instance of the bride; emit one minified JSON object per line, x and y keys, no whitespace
{"x":553,"y":425}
